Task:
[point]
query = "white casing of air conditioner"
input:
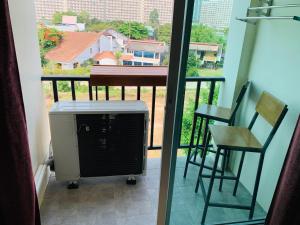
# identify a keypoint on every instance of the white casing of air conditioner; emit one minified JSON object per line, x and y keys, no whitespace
{"x":62,"y":117}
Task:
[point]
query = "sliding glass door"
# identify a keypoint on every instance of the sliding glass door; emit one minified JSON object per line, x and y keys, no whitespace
{"x":198,"y":48}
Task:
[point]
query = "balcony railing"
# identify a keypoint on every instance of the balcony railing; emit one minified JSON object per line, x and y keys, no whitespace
{"x":198,"y":84}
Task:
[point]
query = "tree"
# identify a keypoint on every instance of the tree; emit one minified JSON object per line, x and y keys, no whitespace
{"x":57,"y":16}
{"x":48,"y":38}
{"x":192,"y":67}
{"x":164,"y":33}
{"x":203,"y":33}
{"x":83,"y":17}
{"x":118,"y":56}
{"x":154,"y":18}
{"x":133,"y":30}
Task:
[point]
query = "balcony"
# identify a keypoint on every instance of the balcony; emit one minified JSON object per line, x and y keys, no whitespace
{"x":258,"y":53}
{"x":109,"y":200}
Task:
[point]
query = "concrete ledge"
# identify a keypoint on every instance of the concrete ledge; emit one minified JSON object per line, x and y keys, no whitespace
{"x":41,"y":179}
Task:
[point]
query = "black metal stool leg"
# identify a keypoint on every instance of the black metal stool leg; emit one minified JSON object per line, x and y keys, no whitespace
{"x":191,"y":146}
{"x":198,"y":139}
{"x":256,"y":185}
{"x":202,"y":162}
{"x":211,"y":183}
{"x":239,"y":173}
{"x":205,"y":133}
{"x":223,"y":169}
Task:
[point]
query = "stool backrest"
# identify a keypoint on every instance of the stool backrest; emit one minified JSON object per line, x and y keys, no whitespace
{"x":239,"y":100}
{"x":272,"y":110}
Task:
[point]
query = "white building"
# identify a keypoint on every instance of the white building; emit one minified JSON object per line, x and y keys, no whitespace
{"x":78,"y":47}
{"x":75,"y":49}
{"x":105,"y":58}
{"x":144,"y":52}
{"x":108,"y":10}
{"x":216,"y":13}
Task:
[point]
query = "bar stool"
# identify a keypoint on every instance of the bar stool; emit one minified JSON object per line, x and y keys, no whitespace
{"x":211,"y":112}
{"x":231,"y":138}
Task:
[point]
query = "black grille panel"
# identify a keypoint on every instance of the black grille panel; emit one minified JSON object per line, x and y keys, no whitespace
{"x":110,"y":144}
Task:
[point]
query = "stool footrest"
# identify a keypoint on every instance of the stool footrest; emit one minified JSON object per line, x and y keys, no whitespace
{"x":232,"y":206}
{"x":206,"y":167}
{"x":220,"y":177}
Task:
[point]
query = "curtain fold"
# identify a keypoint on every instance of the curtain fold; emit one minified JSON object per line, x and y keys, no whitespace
{"x":18,"y":201}
{"x":284,"y":209}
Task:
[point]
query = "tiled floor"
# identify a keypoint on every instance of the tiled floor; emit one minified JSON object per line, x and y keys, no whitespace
{"x":109,"y":201}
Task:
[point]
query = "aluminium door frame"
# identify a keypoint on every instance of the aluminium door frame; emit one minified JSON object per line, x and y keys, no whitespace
{"x":181,"y":31}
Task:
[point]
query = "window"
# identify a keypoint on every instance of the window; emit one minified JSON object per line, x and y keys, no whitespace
{"x":91,"y":51}
{"x":157,"y":55}
{"x":149,"y":55}
{"x":147,"y":64}
{"x":128,"y":63}
{"x":137,"y":63}
{"x":138,"y":53}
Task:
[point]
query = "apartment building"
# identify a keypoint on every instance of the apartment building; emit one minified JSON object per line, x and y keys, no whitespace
{"x":109,"y":10}
{"x":216,"y":13}
{"x":44,"y":9}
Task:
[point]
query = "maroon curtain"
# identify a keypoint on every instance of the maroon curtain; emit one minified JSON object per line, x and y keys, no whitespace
{"x":18,"y":202}
{"x":284,"y":209}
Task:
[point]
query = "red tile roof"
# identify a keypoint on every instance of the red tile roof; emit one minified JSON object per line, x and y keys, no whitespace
{"x":72,"y":45}
{"x":204,"y":46}
{"x":127,"y":57}
{"x":146,"y":45}
{"x":104,"y":55}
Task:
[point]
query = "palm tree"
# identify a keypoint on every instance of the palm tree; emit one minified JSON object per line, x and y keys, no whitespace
{"x":118,"y":56}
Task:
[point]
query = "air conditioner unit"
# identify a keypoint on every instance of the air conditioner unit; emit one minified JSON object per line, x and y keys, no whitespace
{"x":99,"y":138}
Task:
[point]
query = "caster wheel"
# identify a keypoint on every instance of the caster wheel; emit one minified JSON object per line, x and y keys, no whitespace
{"x":52,"y":167}
{"x":73,"y":185}
{"x":131,"y":181}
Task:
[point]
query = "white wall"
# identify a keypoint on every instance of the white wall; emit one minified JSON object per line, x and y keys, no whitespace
{"x":240,"y":43}
{"x":26,"y":42}
{"x":105,"y":43}
{"x":87,"y":53}
{"x":107,"y":61}
{"x":274,"y":67}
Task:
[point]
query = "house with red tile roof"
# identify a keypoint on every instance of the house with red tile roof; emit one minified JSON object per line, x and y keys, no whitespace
{"x":105,"y":58}
{"x":75,"y":49}
{"x":207,"y":53}
{"x":78,"y":47}
{"x":144,"y":52}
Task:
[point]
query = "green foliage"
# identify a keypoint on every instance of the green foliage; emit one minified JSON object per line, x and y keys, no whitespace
{"x":163,"y":33}
{"x":154,"y":18}
{"x":49,"y":38}
{"x":98,"y":26}
{"x":205,"y":34}
{"x":166,"y":60}
{"x":188,"y":114}
{"x":63,"y":86}
{"x":193,"y":65}
{"x":118,"y":56}
{"x":51,"y":69}
{"x":87,"y":63}
{"x":57,"y":16}
{"x":133,"y":30}
{"x":82,"y":17}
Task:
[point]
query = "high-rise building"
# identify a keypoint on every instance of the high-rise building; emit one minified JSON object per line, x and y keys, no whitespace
{"x":196,"y":13}
{"x":109,"y":10}
{"x":216,"y":13}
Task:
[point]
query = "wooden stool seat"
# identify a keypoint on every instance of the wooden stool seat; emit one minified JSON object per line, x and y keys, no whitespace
{"x":206,"y":113}
{"x":214,"y":112}
{"x":234,"y":138}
